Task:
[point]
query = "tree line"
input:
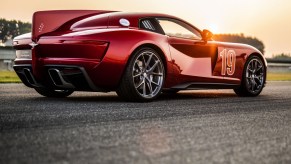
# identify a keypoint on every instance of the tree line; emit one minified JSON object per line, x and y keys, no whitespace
{"x":11,"y":28}
{"x":240,"y":38}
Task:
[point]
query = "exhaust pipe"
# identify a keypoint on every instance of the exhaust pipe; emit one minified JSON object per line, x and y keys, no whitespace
{"x":29,"y":77}
{"x":58,"y":79}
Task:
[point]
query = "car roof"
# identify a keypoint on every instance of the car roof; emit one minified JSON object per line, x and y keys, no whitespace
{"x":141,"y":14}
{"x":134,"y":17}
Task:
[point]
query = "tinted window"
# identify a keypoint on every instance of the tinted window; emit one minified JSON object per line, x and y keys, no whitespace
{"x":175,"y":28}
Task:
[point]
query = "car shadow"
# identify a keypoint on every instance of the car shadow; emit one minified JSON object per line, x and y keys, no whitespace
{"x":196,"y":95}
{"x":113,"y":98}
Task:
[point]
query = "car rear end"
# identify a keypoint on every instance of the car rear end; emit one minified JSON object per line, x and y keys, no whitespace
{"x":49,"y":57}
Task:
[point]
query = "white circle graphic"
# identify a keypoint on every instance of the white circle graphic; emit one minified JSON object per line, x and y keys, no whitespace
{"x":124,"y":22}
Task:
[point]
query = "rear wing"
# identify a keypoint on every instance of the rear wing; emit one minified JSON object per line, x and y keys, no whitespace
{"x":48,"y":21}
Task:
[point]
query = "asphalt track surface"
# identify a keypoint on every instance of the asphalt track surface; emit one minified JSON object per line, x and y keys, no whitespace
{"x":207,"y":126}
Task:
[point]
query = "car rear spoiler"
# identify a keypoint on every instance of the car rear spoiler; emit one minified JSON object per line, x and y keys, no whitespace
{"x":48,"y":21}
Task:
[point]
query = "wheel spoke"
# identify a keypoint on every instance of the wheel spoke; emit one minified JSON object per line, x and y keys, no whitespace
{"x":258,"y":81}
{"x":260,"y":67}
{"x":150,"y":86}
{"x":249,"y":69}
{"x":259,"y":76}
{"x":154,"y":66}
{"x":256,"y":65}
{"x":143,"y":63}
{"x":139,"y":84}
{"x":137,"y":75}
{"x":155,"y":83}
{"x":253,"y":85}
{"x":156,"y":74}
{"x":136,"y":63}
{"x":149,"y":60}
{"x":144,"y":89}
{"x":253,"y":65}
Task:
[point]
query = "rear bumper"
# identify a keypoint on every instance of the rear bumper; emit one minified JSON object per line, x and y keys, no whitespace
{"x":96,"y":63}
{"x":57,"y":77}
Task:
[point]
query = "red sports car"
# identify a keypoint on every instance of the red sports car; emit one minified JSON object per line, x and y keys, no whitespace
{"x":138,"y":55}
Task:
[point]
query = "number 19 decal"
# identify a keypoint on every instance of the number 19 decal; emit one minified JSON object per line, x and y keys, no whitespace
{"x":228,"y":62}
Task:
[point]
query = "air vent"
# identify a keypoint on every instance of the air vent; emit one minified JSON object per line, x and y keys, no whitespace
{"x":148,"y":25}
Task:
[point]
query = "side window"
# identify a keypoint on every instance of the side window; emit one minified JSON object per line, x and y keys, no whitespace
{"x":175,"y":28}
{"x":151,"y":24}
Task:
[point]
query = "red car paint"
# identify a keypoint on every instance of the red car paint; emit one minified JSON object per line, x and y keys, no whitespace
{"x":96,"y":41}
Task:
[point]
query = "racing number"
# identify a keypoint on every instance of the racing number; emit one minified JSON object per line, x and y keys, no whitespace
{"x":228,"y":62}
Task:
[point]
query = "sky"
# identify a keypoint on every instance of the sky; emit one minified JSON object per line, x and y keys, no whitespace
{"x":268,"y":20}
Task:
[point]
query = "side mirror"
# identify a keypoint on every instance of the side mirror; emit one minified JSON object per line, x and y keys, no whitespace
{"x":206,"y":35}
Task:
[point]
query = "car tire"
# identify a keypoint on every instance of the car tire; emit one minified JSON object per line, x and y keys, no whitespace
{"x":53,"y":93}
{"x":143,"y":78}
{"x":253,"y":79}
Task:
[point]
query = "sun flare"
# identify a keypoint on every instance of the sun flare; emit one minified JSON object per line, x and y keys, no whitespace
{"x":213,"y":28}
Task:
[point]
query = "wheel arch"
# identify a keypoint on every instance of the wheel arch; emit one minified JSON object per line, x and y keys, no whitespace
{"x":242,"y":89}
{"x":154,"y":47}
{"x":247,"y":57}
{"x":128,"y":93}
{"x":150,"y":45}
{"x":259,"y":55}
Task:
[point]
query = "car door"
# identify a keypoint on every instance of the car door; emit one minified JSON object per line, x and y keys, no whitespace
{"x":193,"y":59}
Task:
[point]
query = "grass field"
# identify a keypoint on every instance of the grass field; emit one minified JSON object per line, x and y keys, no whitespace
{"x":279,"y":76}
{"x":11,"y":77}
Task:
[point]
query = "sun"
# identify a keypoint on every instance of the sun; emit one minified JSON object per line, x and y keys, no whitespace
{"x":213,"y":28}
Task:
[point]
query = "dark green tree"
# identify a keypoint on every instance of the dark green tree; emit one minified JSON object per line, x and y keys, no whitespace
{"x":11,"y":28}
{"x":240,"y":38}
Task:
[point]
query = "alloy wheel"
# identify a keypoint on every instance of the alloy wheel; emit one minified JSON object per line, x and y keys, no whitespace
{"x":255,"y":75}
{"x":148,"y":74}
